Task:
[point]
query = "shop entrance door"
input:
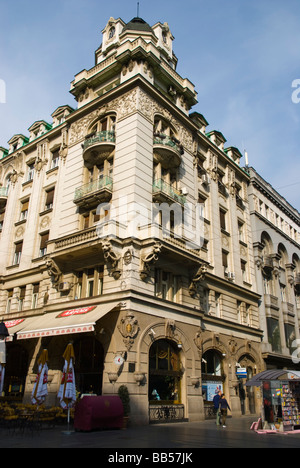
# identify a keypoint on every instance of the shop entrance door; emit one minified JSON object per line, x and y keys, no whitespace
{"x":89,"y":363}
{"x":165,"y":378}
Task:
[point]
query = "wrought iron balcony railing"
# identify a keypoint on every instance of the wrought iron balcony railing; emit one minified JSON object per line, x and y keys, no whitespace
{"x":105,"y":183}
{"x":162,"y":187}
{"x":168,"y":142}
{"x":100,"y":137}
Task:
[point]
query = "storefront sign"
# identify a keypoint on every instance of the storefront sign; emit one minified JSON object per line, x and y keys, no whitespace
{"x":71,"y":312}
{"x":242,"y":373}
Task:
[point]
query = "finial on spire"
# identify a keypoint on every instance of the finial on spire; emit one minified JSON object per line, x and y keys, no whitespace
{"x":138,"y":9}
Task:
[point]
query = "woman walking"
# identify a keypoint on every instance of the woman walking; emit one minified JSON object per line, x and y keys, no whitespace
{"x":224,"y":406}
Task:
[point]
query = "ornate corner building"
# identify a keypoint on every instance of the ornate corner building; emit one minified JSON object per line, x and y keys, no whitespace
{"x":126,"y":229}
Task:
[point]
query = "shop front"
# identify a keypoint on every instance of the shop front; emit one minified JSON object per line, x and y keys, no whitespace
{"x":213,"y":379}
{"x":165,"y":381}
{"x":53,"y":331}
{"x":281,"y":399}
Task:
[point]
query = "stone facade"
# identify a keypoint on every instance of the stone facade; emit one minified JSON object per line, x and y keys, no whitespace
{"x":129,"y":213}
{"x":275,"y":225}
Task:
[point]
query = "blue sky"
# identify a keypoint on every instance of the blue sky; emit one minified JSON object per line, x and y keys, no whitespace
{"x":241,"y":55}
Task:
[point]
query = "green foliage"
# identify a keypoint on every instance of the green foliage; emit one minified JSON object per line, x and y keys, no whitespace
{"x":124,"y":395}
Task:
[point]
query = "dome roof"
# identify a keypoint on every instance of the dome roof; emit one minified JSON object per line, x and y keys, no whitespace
{"x":137,"y":24}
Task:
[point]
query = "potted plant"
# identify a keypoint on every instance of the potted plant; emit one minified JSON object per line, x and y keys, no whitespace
{"x":124,"y":396}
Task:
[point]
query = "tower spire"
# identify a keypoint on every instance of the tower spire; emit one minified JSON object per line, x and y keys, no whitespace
{"x":138,"y":10}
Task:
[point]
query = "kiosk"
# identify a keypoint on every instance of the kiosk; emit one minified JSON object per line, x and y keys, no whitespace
{"x":280,"y":399}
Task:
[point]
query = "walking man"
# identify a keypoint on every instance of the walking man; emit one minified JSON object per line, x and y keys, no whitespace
{"x":216,"y":402}
{"x":224,"y":406}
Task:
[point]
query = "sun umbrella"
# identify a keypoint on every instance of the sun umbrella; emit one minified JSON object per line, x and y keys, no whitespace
{"x":40,"y":389}
{"x":67,"y":390}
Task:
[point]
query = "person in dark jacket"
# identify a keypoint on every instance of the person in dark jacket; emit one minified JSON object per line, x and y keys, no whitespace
{"x":224,"y":406}
{"x":216,"y":402}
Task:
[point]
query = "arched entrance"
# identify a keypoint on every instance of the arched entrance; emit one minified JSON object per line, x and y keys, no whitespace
{"x":246,"y":394}
{"x":89,"y":363}
{"x":165,"y":378}
{"x":213,"y":379}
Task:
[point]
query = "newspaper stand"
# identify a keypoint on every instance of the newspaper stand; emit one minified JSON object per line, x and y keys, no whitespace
{"x":280,"y":399}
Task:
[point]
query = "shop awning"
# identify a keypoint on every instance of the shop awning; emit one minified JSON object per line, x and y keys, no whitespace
{"x":81,"y":320}
{"x":13,"y":327}
{"x":274,"y":374}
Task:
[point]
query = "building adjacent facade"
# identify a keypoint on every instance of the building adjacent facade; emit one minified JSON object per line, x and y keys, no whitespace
{"x":275,"y":227}
{"x":126,"y":229}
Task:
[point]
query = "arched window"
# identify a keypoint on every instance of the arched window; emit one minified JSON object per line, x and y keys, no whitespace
{"x":164,"y":372}
{"x":212,"y":363}
{"x":105,"y":124}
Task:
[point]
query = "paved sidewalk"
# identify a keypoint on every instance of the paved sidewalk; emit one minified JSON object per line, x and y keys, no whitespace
{"x":181,"y":436}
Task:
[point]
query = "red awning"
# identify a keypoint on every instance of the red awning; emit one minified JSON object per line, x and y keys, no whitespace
{"x":81,"y":320}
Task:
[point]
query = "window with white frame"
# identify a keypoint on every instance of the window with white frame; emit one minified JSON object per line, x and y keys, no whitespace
{"x":9,"y":300}
{"x":17,"y":253}
{"x":30,"y":172}
{"x":167,"y":285}
{"x":35,"y":295}
{"x":24,"y":209}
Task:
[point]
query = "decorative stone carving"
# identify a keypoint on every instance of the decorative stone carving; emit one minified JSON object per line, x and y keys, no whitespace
{"x":111,"y":258}
{"x":170,"y":329}
{"x":149,"y":260}
{"x":198,"y":340}
{"x":53,"y":271}
{"x":198,"y":278}
{"x":129,"y":329}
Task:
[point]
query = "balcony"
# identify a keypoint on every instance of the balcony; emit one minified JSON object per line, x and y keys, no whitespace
{"x":97,"y":145}
{"x":3,"y":196}
{"x":163,"y":192}
{"x":90,"y":195}
{"x":168,"y":150}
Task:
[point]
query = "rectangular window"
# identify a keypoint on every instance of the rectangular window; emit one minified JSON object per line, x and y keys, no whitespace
{"x":241,"y":230}
{"x":167,"y":285}
{"x":86,"y":221}
{"x":223,"y":220}
{"x":35,"y":295}
{"x":283,"y":292}
{"x":90,"y":282}
{"x":274,"y":334}
{"x":22,"y":293}
{"x":55,"y":159}
{"x":43,"y":245}
{"x":24,"y":210}
{"x":9,"y":300}
{"x":18,"y":253}
{"x":244,"y":270}
{"x":49,"y":199}
{"x":225,"y":260}
{"x":30,"y":172}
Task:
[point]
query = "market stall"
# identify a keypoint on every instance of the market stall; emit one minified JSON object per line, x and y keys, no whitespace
{"x":281,"y":399}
